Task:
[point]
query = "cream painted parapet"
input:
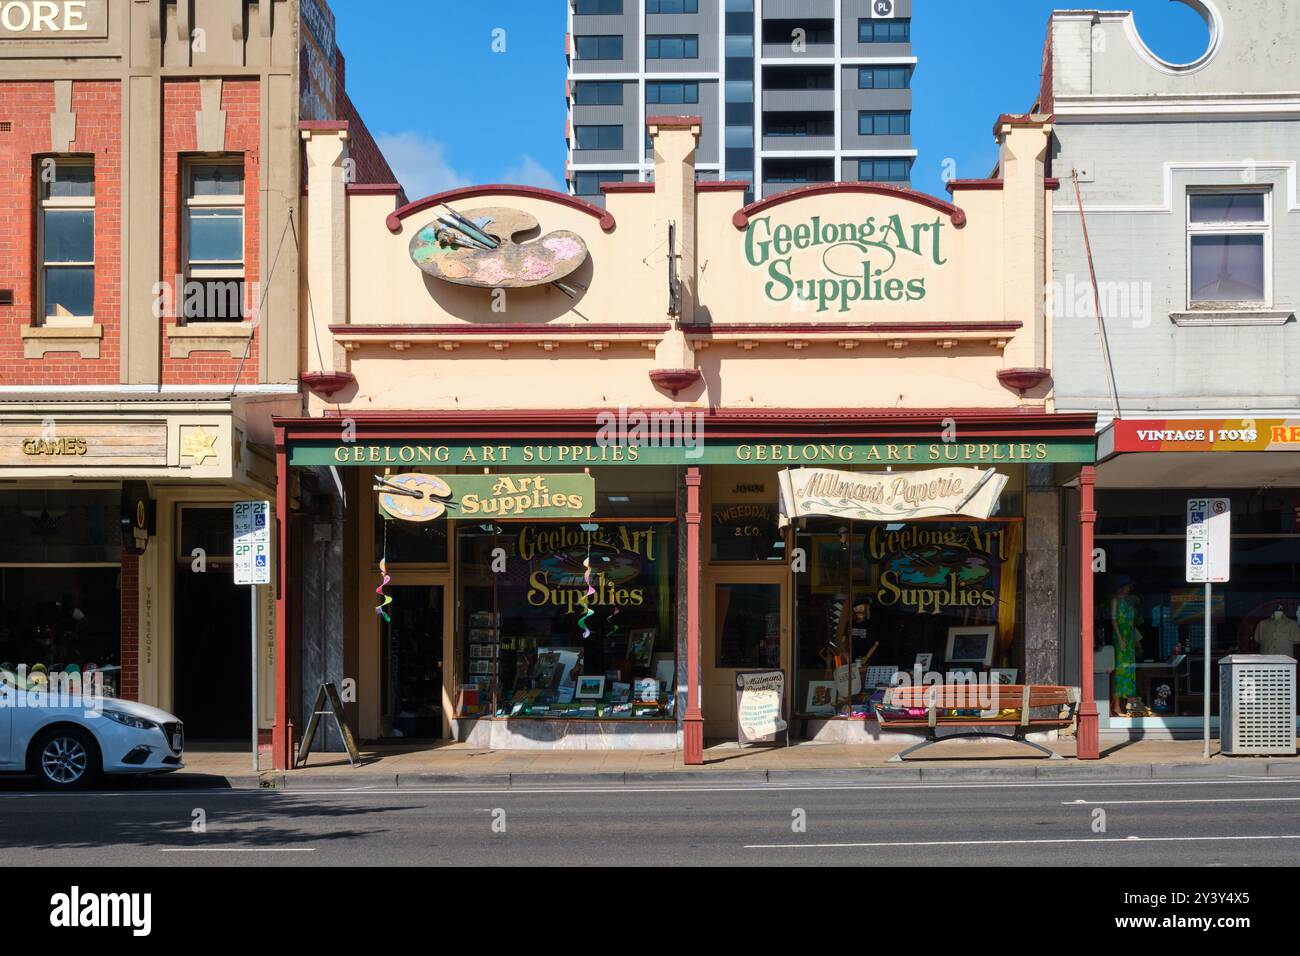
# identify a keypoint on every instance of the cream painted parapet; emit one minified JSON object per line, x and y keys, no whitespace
{"x":326,"y":272}
{"x":1024,"y":144}
{"x":675,"y":139}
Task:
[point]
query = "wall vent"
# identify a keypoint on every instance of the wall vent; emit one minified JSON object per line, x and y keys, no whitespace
{"x":6,"y":296}
{"x":6,"y":126}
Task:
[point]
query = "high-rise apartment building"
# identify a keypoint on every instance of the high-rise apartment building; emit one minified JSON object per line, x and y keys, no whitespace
{"x":789,"y":91}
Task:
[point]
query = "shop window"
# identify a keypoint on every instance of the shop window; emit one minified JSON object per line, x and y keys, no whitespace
{"x":878,"y":598}
{"x":410,"y":542}
{"x":535,"y":642}
{"x":1228,"y":248}
{"x":1150,"y":622}
{"x":745,"y":531}
{"x":66,"y":226}
{"x":214,"y":242}
{"x":60,"y":527}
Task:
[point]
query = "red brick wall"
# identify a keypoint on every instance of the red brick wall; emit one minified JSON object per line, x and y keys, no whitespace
{"x":241,"y":100}
{"x":29,"y":107}
{"x":130,"y":689}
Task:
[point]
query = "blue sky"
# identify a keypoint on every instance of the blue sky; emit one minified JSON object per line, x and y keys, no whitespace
{"x":450,"y":111}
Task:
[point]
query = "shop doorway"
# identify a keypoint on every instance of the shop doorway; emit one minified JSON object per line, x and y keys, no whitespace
{"x":745,"y":628}
{"x":213,"y":694}
{"x":411,"y":644}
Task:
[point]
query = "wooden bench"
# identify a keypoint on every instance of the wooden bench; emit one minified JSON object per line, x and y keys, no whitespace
{"x":990,"y":702}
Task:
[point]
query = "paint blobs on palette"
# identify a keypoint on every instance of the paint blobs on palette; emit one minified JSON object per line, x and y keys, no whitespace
{"x":459,"y":253}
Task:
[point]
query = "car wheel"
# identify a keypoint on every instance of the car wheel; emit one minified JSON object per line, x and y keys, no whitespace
{"x":67,"y":759}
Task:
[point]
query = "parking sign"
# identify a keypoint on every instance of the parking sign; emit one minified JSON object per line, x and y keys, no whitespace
{"x":253,"y":542}
{"x":1209,"y":540}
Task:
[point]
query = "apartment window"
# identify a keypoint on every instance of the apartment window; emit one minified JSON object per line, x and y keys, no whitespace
{"x":739,"y":45}
{"x":740,"y":91}
{"x":588,"y":184}
{"x":667,"y":47}
{"x":214,"y":242}
{"x":672,"y":92}
{"x":1228,"y":240}
{"x":599,"y":7}
{"x":740,"y":6}
{"x":885,"y":78}
{"x":67,"y":241}
{"x":672,"y":6}
{"x":598,"y":137}
{"x":780,"y":125}
{"x":884,"y":123}
{"x":885,"y":31}
{"x":598,"y":94}
{"x":738,"y":136}
{"x":599,"y":47}
{"x":884,"y":170}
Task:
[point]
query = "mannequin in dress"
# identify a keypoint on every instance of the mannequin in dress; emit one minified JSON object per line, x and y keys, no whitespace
{"x":1277,"y":634}
{"x":1128,"y":641}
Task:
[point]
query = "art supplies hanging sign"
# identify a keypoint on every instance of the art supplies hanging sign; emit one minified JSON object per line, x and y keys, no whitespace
{"x":889,"y":496}
{"x":420,"y":497}
{"x":760,"y":706}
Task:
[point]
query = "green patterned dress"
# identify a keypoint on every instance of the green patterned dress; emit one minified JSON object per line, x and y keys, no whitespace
{"x":1124,"y":680}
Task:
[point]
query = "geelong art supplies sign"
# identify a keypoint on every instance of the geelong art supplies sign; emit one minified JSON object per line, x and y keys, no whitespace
{"x":889,"y":496}
{"x":834,"y":265}
{"x":421,"y":497}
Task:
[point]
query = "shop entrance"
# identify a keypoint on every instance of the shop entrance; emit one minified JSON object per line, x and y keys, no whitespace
{"x":410,"y":670}
{"x":745,"y":628}
{"x":211,"y":667}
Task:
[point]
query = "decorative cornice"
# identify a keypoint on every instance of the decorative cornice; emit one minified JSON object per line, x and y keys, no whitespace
{"x":395,"y":219}
{"x":957,"y":215}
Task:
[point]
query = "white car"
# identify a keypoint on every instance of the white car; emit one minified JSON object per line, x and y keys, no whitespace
{"x":70,"y":743}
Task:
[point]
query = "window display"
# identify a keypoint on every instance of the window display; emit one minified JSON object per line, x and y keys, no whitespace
{"x":880,"y":597}
{"x":1150,"y":622}
{"x":571,"y":620}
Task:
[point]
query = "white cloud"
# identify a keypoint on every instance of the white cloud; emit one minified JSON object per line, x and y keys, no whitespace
{"x":529,"y":172}
{"x":420,"y":163}
{"x":422,"y":166}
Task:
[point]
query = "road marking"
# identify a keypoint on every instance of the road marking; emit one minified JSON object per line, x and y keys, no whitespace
{"x":1027,"y":784}
{"x":1069,"y":803}
{"x":240,"y":849}
{"x":1128,"y":839}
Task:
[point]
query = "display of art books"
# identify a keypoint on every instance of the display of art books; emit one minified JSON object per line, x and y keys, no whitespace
{"x":481,"y":636}
{"x":484,"y":619}
{"x":482,"y":650}
{"x":481,"y":667}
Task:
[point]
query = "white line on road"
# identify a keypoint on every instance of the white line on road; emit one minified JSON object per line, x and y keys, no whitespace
{"x":1128,"y":839}
{"x":240,"y":849}
{"x":1070,"y":803}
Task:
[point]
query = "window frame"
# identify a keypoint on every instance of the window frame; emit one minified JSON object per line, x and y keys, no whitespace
{"x":1262,"y":227}
{"x":891,"y":114}
{"x":658,"y":85}
{"x":906,"y":69}
{"x":577,"y":12}
{"x":578,"y":147}
{"x":577,"y":52}
{"x":212,"y":269}
{"x":686,"y":38}
{"x":46,"y":203}
{"x":688,"y":7}
{"x":865,"y":21}
{"x":582,"y":85}
{"x":907,"y":166}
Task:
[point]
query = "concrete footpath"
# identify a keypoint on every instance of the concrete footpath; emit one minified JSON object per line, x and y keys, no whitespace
{"x":462,"y":765}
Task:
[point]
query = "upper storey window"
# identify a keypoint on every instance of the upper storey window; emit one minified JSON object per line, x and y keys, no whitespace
{"x":214,"y":241}
{"x":67,"y":241}
{"x":1229,"y":238}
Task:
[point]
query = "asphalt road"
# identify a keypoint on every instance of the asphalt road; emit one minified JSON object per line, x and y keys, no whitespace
{"x":1225,"y":822}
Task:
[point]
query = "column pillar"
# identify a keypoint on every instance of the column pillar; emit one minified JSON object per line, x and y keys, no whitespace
{"x":281,"y":732}
{"x":693,"y":722}
{"x":1087,"y":732}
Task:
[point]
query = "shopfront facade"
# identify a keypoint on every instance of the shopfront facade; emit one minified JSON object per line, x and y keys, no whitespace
{"x":1192,"y":231}
{"x":547,"y":447}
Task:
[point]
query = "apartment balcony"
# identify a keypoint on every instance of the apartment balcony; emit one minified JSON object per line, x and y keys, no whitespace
{"x":798,"y":144}
{"x":811,"y":51}
{"x":799,"y":9}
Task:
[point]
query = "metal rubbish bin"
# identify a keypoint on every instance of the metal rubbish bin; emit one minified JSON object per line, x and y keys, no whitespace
{"x":1257,"y":704}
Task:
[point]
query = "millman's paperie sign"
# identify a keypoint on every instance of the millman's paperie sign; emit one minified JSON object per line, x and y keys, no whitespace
{"x":760,"y":702}
{"x":889,"y":496}
{"x":421,"y":497}
{"x":837,"y":264}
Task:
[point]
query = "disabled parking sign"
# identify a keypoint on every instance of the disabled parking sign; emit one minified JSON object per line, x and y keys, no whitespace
{"x":1209,"y":540}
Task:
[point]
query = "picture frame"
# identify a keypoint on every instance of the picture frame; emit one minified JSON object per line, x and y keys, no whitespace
{"x":590,"y":687}
{"x":972,"y":646}
{"x":646,"y":690}
{"x":821,"y":698}
{"x":665,"y":670}
{"x":641,"y":645}
{"x":620,"y":693}
{"x":1002,"y":676}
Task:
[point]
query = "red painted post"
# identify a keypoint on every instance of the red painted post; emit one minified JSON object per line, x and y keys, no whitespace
{"x":693,"y":721}
{"x":281,"y":744}
{"x":1087,"y":733}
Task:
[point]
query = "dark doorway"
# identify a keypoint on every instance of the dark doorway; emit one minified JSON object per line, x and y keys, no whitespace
{"x":412,"y":664}
{"x":211,"y":664}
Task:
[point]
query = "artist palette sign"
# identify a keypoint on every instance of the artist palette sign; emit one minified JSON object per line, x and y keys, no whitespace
{"x":891,"y":495}
{"x":420,"y":497}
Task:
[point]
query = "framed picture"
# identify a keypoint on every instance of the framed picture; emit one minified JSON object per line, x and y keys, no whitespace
{"x":641,"y":645}
{"x":971,"y":645}
{"x":665,"y":670}
{"x":647,"y":690}
{"x":923,"y":662}
{"x":1160,"y":694}
{"x":590,"y":688}
{"x":1004,"y":675}
{"x":821,"y":698}
{"x":620,"y":693}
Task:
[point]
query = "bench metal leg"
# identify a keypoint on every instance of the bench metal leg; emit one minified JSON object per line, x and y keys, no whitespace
{"x":934,"y":739}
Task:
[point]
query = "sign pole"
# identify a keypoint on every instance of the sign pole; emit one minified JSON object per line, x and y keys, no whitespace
{"x":1206,"y":751}
{"x":252,"y":629}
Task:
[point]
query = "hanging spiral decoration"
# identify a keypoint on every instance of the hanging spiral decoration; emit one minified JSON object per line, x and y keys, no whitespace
{"x":383,"y":571}
{"x":589,"y":612}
